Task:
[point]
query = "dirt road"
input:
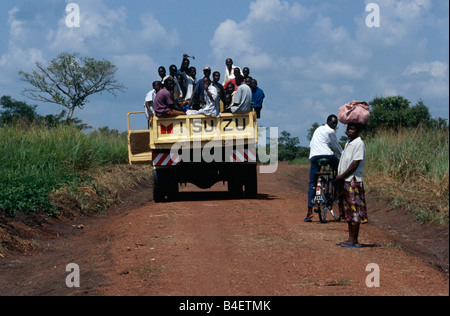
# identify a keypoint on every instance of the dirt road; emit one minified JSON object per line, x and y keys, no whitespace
{"x":208,"y":245}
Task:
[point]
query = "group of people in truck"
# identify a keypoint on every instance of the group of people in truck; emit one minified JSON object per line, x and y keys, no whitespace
{"x":180,"y":93}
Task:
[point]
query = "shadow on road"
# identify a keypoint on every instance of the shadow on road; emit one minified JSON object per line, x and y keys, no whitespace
{"x":215,"y":196}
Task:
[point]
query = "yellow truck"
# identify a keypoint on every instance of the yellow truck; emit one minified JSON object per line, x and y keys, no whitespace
{"x":197,"y":149}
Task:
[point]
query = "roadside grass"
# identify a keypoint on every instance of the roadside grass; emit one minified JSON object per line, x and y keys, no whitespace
{"x":40,"y":165}
{"x":300,"y":161}
{"x":410,"y":169}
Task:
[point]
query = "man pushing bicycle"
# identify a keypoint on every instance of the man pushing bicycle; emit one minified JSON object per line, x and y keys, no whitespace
{"x":323,"y":143}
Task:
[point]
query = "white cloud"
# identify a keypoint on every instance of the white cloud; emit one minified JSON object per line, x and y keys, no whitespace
{"x":436,"y":69}
{"x":435,"y":89}
{"x":135,"y":69}
{"x":267,"y":10}
{"x":16,"y":29}
{"x":101,"y":28}
{"x":399,"y":22}
{"x":237,"y":38}
{"x":409,"y":10}
{"x":98,"y":24}
{"x":333,"y":89}
{"x":319,"y":68}
{"x":231,"y":38}
{"x":325,"y":31}
{"x":297,"y":11}
{"x":153,"y":33}
{"x":274,"y":11}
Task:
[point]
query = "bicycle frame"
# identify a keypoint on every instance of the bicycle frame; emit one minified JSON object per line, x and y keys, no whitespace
{"x":325,"y":189}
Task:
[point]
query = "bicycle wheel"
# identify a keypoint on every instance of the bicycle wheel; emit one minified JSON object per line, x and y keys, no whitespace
{"x":330,"y":201}
{"x":322,"y":211}
{"x":328,"y":187}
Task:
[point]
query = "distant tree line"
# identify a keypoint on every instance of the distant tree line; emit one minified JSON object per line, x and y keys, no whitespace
{"x":13,"y":112}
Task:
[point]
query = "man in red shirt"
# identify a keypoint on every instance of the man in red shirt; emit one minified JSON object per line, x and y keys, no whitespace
{"x":237,"y":72}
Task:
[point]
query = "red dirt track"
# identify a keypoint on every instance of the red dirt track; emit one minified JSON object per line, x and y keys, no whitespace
{"x":207,"y":244}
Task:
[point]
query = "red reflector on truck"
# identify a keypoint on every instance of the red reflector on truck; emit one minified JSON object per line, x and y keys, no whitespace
{"x":166,"y":159}
{"x":243,"y":155}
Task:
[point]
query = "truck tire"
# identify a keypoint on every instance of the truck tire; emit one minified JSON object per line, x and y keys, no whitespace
{"x":158,"y":194}
{"x":173,"y":191}
{"x":251,"y":182}
{"x":235,"y":185}
{"x":164,"y":185}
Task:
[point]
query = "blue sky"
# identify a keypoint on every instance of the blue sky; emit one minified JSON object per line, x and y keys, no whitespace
{"x":309,"y":57}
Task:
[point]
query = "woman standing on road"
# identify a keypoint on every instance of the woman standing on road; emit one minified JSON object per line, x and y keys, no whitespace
{"x":352,"y":201}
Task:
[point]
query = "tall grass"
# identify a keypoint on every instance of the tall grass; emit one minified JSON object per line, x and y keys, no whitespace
{"x":35,"y":161}
{"x":410,"y":168}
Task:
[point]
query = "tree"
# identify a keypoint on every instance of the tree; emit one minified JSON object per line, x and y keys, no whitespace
{"x":13,"y":111}
{"x":418,"y":114}
{"x":312,"y":130}
{"x":287,"y":146}
{"x":343,"y":140}
{"x":396,"y":112}
{"x":68,"y":81}
{"x":439,"y":123}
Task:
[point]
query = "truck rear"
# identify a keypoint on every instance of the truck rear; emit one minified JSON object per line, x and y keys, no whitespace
{"x":198,"y":149}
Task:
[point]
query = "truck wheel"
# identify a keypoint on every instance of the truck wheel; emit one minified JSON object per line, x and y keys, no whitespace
{"x":158,"y":194}
{"x":173,"y":191}
{"x":164,"y":184}
{"x":235,"y":186}
{"x":251,"y":182}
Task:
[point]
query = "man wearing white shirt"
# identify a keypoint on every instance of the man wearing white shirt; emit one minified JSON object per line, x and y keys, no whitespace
{"x":189,"y":82}
{"x":323,"y":143}
{"x":212,"y":105}
{"x":229,"y":71}
{"x":150,"y":96}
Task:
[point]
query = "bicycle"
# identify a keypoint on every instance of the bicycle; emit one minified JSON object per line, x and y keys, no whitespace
{"x":325,"y":191}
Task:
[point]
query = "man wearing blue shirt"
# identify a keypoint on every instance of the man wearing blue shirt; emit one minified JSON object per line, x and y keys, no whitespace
{"x":257,"y":97}
{"x":198,"y":95}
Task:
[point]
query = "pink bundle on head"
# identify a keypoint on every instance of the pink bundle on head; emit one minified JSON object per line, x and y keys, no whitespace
{"x":354,"y":112}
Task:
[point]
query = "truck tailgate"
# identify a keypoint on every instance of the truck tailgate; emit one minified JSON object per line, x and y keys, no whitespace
{"x":199,"y":129}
